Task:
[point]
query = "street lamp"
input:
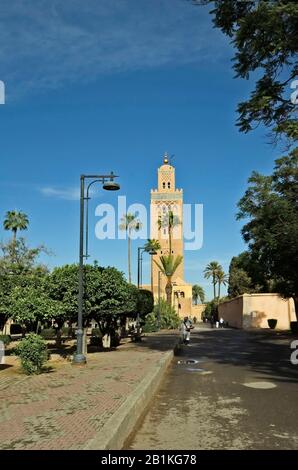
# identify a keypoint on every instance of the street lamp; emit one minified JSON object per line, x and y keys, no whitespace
{"x":141,"y":250}
{"x":110,"y":185}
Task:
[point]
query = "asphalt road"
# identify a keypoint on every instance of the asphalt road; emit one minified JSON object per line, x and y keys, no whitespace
{"x":241,"y":394}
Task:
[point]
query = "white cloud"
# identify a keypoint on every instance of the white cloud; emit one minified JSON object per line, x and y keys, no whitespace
{"x":68,"y":194}
{"x":50,"y":44}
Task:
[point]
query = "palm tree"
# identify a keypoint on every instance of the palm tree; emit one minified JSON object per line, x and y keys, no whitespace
{"x":211,"y":270}
{"x":152,"y":245}
{"x":14,"y":221}
{"x":168,"y":265}
{"x":221,"y":278}
{"x":129,"y":223}
{"x":169,"y":221}
{"x":198,"y":293}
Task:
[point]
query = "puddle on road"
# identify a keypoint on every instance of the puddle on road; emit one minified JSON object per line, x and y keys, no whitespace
{"x":188,"y":361}
{"x":260,"y":385}
{"x":201,"y":371}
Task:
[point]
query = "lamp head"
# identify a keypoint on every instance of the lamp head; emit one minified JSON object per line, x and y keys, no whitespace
{"x":111,"y":185}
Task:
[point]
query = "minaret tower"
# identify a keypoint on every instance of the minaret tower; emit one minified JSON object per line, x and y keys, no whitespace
{"x":164,"y":199}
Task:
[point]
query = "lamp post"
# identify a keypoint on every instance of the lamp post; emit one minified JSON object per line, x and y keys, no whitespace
{"x":110,"y":185}
{"x":141,"y":250}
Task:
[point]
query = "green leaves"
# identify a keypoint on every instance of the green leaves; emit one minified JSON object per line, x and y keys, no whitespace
{"x":168,"y":264}
{"x":271,"y":206}
{"x":32,"y":351}
{"x":265,"y":37}
{"x":198,"y":293}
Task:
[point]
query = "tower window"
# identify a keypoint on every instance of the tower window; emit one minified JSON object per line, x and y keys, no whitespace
{"x":169,"y":185}
{"x":164,"y":185}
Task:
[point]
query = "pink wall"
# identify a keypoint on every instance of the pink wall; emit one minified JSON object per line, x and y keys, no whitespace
{"x":253,"y":311}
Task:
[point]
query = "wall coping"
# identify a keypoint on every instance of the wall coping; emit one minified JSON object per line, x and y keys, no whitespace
{"x":257,"y":294}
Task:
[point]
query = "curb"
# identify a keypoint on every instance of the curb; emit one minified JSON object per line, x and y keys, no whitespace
{"x":120,"y":425}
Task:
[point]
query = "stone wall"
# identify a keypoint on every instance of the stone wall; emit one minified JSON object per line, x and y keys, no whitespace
{"x":254,"y":310}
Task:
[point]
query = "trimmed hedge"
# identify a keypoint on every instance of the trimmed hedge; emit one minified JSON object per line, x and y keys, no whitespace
{"x":33,"y":353}
{"x":48,"y":333}
{"x":6,"y":339}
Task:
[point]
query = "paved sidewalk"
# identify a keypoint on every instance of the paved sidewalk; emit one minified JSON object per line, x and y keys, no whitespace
{"x":70,"y":407}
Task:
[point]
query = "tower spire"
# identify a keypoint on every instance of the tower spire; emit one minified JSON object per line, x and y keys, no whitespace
{"x":166,"y":158}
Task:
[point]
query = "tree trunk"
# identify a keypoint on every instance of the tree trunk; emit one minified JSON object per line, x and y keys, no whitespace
{"x":296,"y":305}
{"x":85,"y":341}
{"x":169,"y":291}
{"x":129,"y":249}
{"x":214,"y":283}
{"x":218,"y":290}
{"x":106,"y":341}
{"x":152,"y":276}
{"x":58,"y":337}
{"x":38,"y":325}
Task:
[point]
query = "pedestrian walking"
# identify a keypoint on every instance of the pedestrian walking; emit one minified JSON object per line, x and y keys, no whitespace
{"x":188,"y":326}
{"x":221,"y":322}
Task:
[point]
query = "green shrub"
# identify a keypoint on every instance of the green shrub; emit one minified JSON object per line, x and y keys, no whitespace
{"x":169,"y":319}
{"x":67,"y":331}
{"x":96,"y":332}
{"x":48,"y":333}
{"x":211,"y":309}
{"x":150,"y":324}
{"x":6,"y":339}
{"x":32,"y":351}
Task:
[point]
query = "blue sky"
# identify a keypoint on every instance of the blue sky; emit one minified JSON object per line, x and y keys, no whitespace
{"x":111,"y":85}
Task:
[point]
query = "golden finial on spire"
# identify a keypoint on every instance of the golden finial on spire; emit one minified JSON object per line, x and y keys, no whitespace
{"x":165,"y":158}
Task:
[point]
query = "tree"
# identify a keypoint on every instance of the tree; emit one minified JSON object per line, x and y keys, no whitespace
{"x":14,"y":221}
{"x":168,"y":265}
{"x":270,"y":204}
{"x":239,"y":280}
{"x":145,"y":302}
{"x":130,"y":223}
{"x":152,"y":245}
{"x":164,"y":316}
{"x":19,"y":268}
{"x":168,"y":221}
{"x":265,"y":37}
{"x":211,"y":270}
{"x":107,"y":295}
{"x":221,"y":278}
{"x":246,"y":275}
{"x":198,"y":293}
{"x":31,"y":304}
{"x":18,"y":258}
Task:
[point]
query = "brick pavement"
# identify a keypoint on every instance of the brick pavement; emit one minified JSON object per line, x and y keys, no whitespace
{"x":68,"y":407}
